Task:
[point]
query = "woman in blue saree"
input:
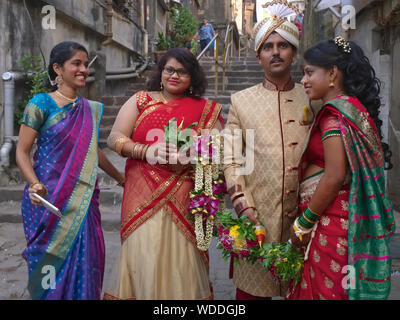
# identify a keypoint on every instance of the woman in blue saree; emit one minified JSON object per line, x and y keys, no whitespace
{"x":65,"y":255}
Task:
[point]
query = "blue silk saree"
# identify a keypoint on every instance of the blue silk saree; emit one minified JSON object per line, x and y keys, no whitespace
{"x":65,"y":255}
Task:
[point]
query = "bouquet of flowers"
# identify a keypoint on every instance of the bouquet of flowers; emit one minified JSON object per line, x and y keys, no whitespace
{"x":237,"y":238}
{"x":283,"y":261}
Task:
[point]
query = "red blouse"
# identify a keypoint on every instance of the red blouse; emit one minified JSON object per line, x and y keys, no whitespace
{"x":328,"y":126}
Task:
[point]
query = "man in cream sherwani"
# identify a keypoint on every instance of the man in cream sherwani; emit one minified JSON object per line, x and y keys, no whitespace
{"x":274,"y":111}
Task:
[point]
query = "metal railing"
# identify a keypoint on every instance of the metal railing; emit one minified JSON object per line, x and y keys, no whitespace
{"x":227,"y":47}
{"x":227,"y":53}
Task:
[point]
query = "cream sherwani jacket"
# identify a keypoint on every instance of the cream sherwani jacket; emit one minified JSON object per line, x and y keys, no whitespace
{"x":272,"y":186}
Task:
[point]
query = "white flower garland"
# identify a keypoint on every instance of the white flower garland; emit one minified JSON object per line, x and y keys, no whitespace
{"x":205,"y":174}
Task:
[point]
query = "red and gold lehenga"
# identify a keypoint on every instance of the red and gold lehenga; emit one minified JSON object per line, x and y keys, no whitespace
{"x":159,"y":258}
{"x":353,"y":233}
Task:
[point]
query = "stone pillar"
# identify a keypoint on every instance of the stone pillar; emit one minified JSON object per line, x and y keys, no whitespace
{"x":98,"y":89}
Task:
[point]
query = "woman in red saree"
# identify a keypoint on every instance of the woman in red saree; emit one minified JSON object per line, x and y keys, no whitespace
{"x":159,"y":258}
{"x":346,"y":220}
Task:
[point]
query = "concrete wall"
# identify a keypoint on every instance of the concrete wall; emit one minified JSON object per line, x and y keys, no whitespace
{"x":216,"y":12}
{"x":381,"y":44}
{"x":83,"y":21}
{"x":156,"y":21}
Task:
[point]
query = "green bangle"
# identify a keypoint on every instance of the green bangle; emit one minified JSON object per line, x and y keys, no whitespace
{"x":311,"y":216}
{"x":304,"y":223}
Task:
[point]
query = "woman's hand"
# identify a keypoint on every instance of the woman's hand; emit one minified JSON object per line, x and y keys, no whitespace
{"x":163,"y":153}
{"x":38,"y":189}
{"x":296,"y":243}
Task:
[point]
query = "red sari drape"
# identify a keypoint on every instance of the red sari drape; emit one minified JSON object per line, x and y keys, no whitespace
{"x":148,"y":188}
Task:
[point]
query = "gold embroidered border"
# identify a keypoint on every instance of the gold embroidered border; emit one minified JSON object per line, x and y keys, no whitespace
{"x":145,"y":113}
{"x":30,"y":117}
{"x":214,"y":116}
{"x":284,"y":2}
{"x":152,"y":211}
{"x":269,"y":31}
{"x":155,"y":195}
{"x":108,"y":296}
{"x":289,"y":30}
{"x":206,"y":110}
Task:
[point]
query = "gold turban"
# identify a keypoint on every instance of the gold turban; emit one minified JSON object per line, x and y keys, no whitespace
{"x":276,"y":15}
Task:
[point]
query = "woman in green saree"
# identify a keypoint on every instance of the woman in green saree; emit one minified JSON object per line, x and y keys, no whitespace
{"x":346,"y":219}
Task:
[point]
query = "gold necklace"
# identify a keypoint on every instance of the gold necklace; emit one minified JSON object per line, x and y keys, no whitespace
{"x":66,"y":98}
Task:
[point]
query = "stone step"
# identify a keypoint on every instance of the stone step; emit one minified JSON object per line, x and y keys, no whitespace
{"x":114,"y":100}
{"x":108,"y":120}
{"x":234,"y":79}
{"x":233,"y":64}
{"x":104,"y":132}
{"x":233,"y":87}
{"x":111,"y":110}
{"x":220,"y":99}
{"x":232,"y":68}
{"x":238,"y":73}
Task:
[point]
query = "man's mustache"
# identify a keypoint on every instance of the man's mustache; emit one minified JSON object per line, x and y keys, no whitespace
{"x":276,"y":60}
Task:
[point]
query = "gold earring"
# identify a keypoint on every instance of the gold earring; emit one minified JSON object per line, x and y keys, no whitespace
{"x":331,"y":85}
{"x":59,"y":80}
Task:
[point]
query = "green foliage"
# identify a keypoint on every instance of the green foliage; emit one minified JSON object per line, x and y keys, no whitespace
{"x":31,"y":66}
{"x":175,"y":135}
{"x":163,"y":42}
{"x":284,"y":261}
{"x":183,"y":25}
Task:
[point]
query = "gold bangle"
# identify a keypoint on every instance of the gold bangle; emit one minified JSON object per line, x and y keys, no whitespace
{"x":145,"y":151}
{"x":44,"y":188}
{"x":121,"y":142}
{"x":133,"y":150}
{"x":34,"y":184}
{"x":135,"y":153}
{"x":142,"y":153}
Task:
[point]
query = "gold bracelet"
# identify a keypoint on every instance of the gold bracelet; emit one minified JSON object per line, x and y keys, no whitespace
{"x":142,"y":148}
{"x":45,"y":191}
{"x":145,"y":151}
{"x":34,"y":184}
{"x":121,"y":142}
{"x":136,"y":152}
{"x":133,"y":150}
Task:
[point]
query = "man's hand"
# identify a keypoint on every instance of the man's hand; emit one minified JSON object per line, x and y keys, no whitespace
{"x":251,"y":215}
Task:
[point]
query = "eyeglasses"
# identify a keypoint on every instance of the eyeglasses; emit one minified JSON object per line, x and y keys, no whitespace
{"x":180,"y":72}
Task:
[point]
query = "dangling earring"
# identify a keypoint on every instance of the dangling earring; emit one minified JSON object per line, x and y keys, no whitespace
{"x":191,"y":90}
{"x":59,"y":80}
{"x":161,"y":86}
{"x":331,"y":85}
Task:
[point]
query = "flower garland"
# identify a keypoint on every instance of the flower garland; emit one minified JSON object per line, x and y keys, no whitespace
{"x":208,"y":196}
{"x":237,"y":239}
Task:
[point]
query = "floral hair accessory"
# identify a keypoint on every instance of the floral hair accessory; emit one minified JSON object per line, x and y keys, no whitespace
{"x":342,"y":43}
